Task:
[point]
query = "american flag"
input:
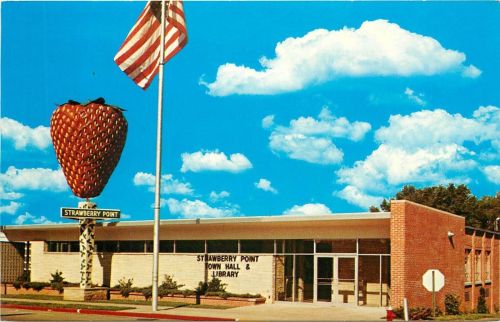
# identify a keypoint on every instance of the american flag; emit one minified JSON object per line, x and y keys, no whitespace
{"x":139,"y":55}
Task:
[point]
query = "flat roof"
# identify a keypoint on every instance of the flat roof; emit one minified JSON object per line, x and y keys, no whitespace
{"x":226,"y":220}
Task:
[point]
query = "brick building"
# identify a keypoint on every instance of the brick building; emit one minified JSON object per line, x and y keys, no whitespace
{"x":374,"y":259}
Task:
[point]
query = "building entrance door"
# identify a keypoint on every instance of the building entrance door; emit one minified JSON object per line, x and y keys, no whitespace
{"x":335,"y":279}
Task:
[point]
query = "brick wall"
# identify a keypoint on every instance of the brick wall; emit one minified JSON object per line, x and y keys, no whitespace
{"x":12,"y":255}
{"x":419,"y":242}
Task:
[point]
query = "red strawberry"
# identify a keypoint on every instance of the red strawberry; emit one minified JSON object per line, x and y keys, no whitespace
{"x":88,"y":140}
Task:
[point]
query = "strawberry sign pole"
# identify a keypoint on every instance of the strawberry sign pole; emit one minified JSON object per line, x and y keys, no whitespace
{"x":141,"y":56}
{"x":88,"y":140}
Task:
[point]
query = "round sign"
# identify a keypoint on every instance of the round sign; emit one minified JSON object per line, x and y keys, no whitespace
{"x":438,"y":280}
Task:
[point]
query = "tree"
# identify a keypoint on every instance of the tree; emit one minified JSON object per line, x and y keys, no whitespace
{"x":455,"y":199}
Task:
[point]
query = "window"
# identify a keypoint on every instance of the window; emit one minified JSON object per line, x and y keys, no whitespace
{"x":222,"y":246}
{"x":299,"y":246}
{"x":336,"y":246}
{"x":110,"y":246}
{"x":468,"y":266}
{"x":374,"y":246}
{"x":62,"y":246}
{"x":477,"y":273}
{"x":131,"y":246}
{"x":487,"y":265}
{"x":190,"y":246}
{"x":257,"y":246}
{"x":166,"y":246}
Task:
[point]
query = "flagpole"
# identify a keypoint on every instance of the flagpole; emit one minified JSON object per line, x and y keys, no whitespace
{"x":156,"y":229}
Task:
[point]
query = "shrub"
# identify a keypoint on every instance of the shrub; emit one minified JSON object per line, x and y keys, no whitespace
{"x":57,"y":281}
{"x":452,"y":304}
{"x":481,"y":301}
{"x":38,"y":286}
{"x":202,"y":288}
{"x":168,"y":286}
{"x":147,"y":292}
{"x":216,"y":285}
{"x":416,"y":313}
{"x":125,"y":286}
{"x":21,"y":280}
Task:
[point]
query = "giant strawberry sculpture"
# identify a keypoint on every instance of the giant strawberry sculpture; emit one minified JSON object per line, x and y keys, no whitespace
{"x":88,"y":140}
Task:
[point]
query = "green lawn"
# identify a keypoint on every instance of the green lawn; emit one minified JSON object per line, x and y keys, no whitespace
{"x":71,"y":305}
{"x":33,"y":296}
{"x":467,"y":317}
{"x":169,"y":303}
{"x":111,"y":302}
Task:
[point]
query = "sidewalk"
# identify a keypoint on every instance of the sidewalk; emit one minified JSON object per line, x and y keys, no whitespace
{"x":276,"y":312}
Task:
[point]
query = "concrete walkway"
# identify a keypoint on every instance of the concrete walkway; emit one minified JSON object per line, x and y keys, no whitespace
{"x":269,"y":312}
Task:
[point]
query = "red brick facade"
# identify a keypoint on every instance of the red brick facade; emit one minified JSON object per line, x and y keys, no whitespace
{"x":420,"y":241}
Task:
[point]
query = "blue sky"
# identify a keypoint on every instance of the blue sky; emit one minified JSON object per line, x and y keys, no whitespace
{"x":272,"y":108}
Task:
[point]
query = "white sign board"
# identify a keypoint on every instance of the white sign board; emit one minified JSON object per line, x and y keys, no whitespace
{"x":438,"y":280}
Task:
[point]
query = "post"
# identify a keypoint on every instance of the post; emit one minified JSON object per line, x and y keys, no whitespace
{"x":87,"y":246}
{"x":433,"y":294}
{"x":156,"y":228}
{"x":405,"y":308}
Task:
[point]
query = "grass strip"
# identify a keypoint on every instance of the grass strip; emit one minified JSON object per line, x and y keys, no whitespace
{"x":169,"y":303}
{"x":70,"y":306}
{"x":467,"y":317}
{"x":33,"y":297}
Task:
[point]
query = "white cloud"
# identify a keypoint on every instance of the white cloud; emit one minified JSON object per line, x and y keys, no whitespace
{"x":11,"y":208}
{"x":265,"y":185}
{"x":216,"y":196}
{"x":376,"y":48}
{"x":356,"y":197}
{"x":492,"y":172}
{"x":471,"y":71}
{"x":415,"y":97}
{"x":214,"y":161}
{"x":169,"y":185}
{"x":426,"y":147}
{"x":438,"y":127}
{"x":311,"y":140}
{"x":24,"y":136}
{"x":268,"y":121}
{"x":28,"y":218}
{"x":33,"y":179}
{"x":10,"y":195}
{"x":309,"y":209}
{"x":196,"y":209}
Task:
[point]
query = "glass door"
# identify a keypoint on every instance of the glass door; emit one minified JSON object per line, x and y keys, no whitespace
{"x":324,"y":279}
{"x":335,"y":279}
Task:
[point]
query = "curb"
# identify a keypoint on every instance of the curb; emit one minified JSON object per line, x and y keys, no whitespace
{"x":115,"y":313}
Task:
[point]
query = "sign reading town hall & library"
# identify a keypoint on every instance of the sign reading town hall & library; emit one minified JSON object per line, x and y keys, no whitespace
{"x":227,"y":265}
{"x":90,"y":213}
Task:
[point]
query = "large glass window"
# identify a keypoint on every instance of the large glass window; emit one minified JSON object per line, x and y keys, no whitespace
{"x":374,"y":246}
{"x":487,"y":266}
{"x":257,"y":246}
{"x":166,"y":246}
{"x":62,"y":246}
{"x":132,"y":246}
{"x":477,"y":273}
{"x":336,"y":246}
{"x":222,"y":246}
{"x":190,"y":246}
{"x":107,"y":246}
{"x":468,"y":266}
